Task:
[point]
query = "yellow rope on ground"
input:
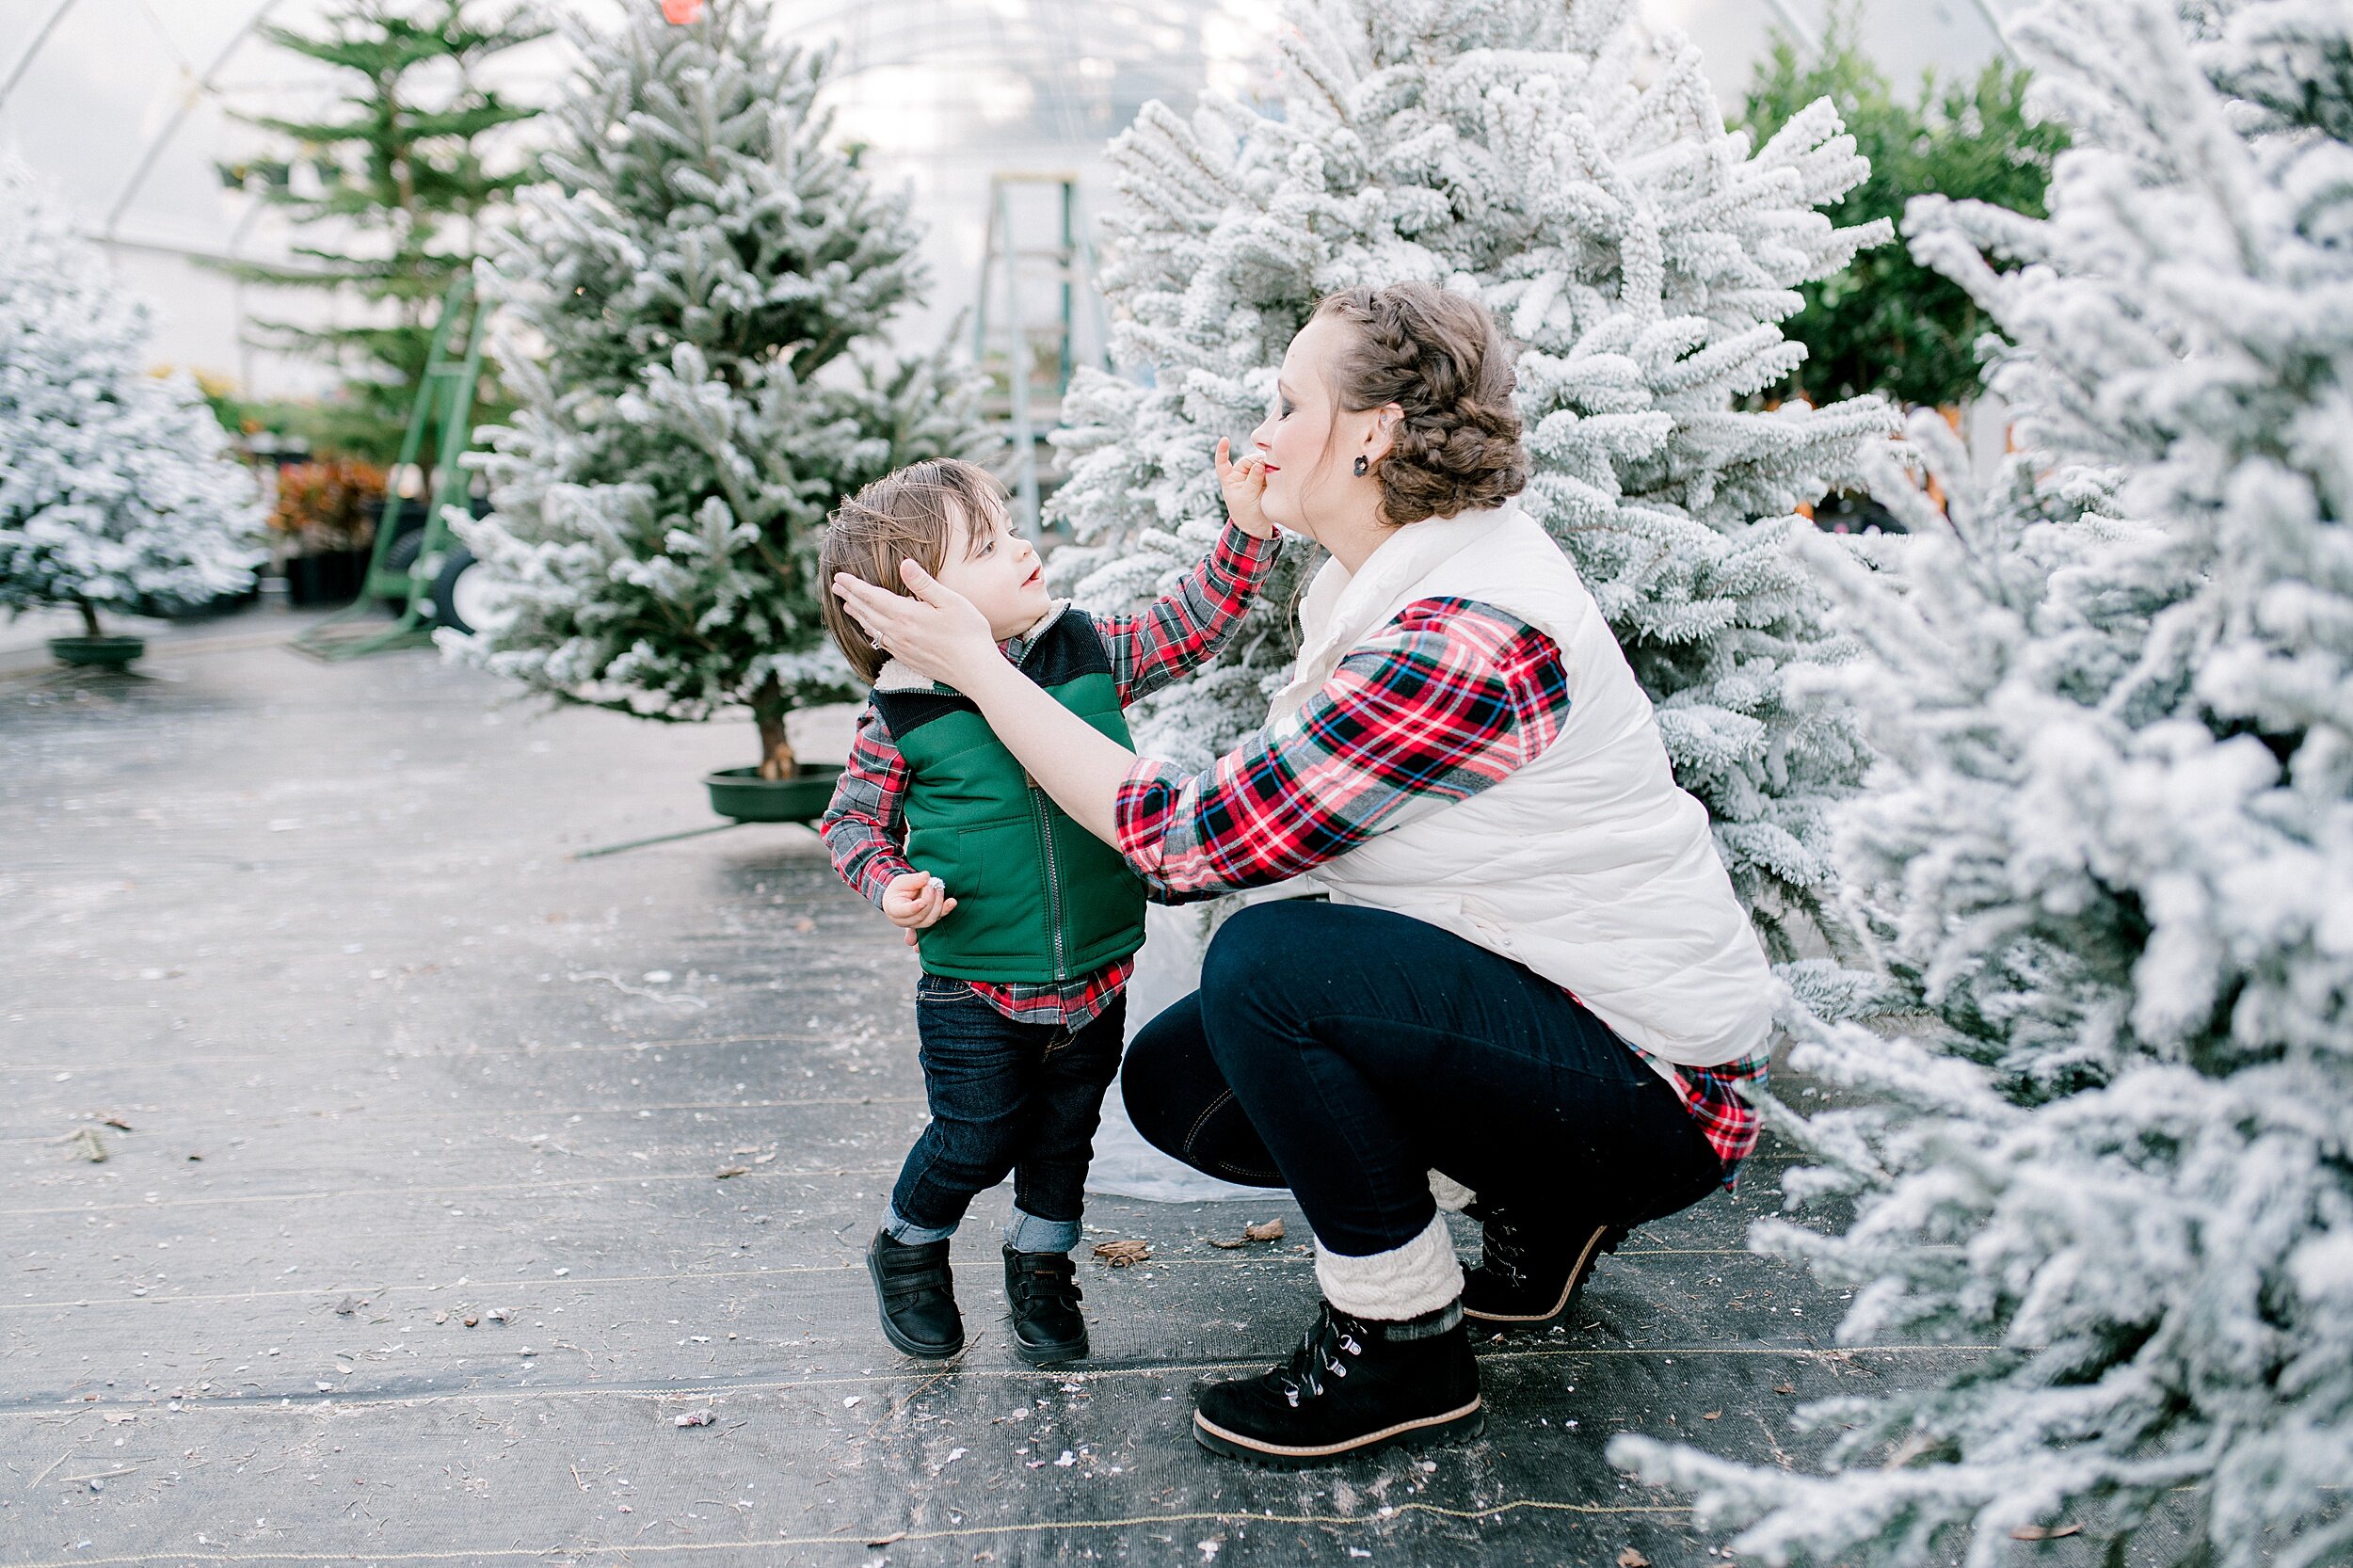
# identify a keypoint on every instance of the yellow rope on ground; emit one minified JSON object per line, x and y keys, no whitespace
{"x":619,"y":1179}
{"x":470,"y":1053}
{"x":864,"y":1543}
{"x":281,"y":1402}
{"x":846,"y":1266}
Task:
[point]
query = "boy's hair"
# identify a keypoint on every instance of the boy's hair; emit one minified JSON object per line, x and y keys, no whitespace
{"x":909,"y":515}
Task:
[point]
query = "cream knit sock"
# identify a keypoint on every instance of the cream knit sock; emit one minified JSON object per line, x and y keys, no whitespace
{"x":1386,"y":1287}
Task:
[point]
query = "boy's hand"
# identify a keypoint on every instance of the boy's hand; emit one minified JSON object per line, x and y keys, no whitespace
{"x":916,"y":901}
{"x":1243,"y":483}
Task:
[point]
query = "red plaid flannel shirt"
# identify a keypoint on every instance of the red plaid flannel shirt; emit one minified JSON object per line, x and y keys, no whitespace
{"x":866,"y":823}
{"x":1446,"y":700}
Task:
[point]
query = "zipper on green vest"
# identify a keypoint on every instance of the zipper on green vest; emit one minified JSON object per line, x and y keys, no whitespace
{"x":1038,"y":815}
{"x":1041,"y":816}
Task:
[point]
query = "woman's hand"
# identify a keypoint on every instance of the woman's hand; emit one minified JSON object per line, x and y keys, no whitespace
{"x":938,"y":635}
{"x":1245,"y":485}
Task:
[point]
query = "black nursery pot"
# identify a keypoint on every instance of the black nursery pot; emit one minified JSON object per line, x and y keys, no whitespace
{"x":327,"y":577}
{"x":743,"y":794}
{"x":97,"y":653}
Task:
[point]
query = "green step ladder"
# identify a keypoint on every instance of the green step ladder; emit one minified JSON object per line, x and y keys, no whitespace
{"x":446,"y":397}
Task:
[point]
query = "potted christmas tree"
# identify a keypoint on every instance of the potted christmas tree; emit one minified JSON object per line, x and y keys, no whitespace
{"x":115,"y":485}
{"x":682,"y":305}
{"x":416,"y":153}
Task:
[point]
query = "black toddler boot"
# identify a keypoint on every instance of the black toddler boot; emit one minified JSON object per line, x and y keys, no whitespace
{"x":1043,"y":1287}
{"x":917,"y":1296}
{"x":1529,"y":1277}
{"x":1351,"y":1387}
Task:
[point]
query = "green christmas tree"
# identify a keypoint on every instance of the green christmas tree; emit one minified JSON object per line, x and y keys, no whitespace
{"x":690,"y":305}
{"x":403,"y":178}
{"x":1886,"y":323}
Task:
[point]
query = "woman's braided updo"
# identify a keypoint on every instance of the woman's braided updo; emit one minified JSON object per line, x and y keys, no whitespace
{"x":1442,"y":360}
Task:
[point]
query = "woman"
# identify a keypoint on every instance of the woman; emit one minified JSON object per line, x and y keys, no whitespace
{"x":1532,"y":981}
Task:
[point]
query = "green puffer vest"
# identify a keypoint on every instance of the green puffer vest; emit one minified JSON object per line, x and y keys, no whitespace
{"x":1039,"y":899}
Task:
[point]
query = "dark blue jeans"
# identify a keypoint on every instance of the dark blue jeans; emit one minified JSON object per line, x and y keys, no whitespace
{"x":1005,"y":1097}
{"x":1343,"y":1052}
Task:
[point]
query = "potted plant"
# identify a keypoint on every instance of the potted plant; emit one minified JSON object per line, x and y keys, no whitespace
{"x":325,"y":522}
{"x":697,"y":365}
{"x":116,"y":489}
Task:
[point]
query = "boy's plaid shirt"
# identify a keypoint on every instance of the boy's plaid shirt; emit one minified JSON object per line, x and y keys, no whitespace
{"x":866,"y":822}
{"x":1447,"y":699}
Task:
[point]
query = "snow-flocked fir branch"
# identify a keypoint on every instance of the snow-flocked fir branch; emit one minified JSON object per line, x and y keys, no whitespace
{"x":2110,"y":850}
{"x":1575,"y":175}
{"x":688,"y":314}
{"x":116,"y":490}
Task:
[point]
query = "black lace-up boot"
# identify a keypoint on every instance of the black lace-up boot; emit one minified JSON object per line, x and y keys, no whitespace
{"x":1352,"y":1387}
{"x":1528,"y":1275}
{"x":1043,"y":1287}
{"x":917,"y":1296}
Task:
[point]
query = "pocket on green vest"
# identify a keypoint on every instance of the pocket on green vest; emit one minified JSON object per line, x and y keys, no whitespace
{"x":992,"y":871}
{"x":956,"y":856}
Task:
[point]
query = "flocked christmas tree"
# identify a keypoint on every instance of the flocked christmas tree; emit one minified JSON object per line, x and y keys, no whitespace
{"x":116,"y":489}
{"x":1575,"y":174}
{"x":2111,"y":852}
{"x":689,"y":309}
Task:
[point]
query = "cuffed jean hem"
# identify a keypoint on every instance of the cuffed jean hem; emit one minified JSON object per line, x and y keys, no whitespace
{"x":1027,"y":1232}
{"x":908,"y":1232}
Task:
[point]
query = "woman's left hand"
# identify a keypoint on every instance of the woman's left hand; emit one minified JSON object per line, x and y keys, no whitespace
{"x":937,"y":634}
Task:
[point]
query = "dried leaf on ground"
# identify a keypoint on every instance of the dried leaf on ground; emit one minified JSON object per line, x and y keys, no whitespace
{"x":1271,"y":1230}
{"x":886,"y":1540}
{"x":1784,"y":1389}
{"x":1118,"y":1255}
{"x":2044,"y":1532}
{"x":726,"y":1171}
{"x":1713,"y":1416}
{"x":1629,"y":1558}
{"x":692,"y":1418}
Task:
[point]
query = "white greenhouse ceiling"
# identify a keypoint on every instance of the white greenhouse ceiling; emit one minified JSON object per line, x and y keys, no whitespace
{"x":126,"y":108}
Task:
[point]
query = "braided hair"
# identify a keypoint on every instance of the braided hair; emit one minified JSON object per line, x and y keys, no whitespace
{"x":1441,"y":358}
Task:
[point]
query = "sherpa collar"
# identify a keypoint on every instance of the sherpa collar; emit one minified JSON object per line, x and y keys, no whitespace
{"x":896,"y":677}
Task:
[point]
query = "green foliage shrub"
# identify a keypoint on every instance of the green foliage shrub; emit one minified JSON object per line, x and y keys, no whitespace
{"x":1886,"y":323}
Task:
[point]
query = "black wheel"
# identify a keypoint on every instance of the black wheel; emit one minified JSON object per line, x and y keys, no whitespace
{"x":400,"y":556}
{"x":464,"y":599}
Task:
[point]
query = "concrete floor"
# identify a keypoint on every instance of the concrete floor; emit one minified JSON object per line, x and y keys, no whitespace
{"x":413,"y":1234}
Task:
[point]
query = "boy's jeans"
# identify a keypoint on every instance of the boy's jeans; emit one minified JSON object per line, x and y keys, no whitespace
{"x":1004,"y":1096}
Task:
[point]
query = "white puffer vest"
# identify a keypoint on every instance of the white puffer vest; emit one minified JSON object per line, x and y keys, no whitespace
{"x":1588,"y":865}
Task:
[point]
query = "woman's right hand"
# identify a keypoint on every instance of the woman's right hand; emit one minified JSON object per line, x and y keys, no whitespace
{"x":1244,"y":486}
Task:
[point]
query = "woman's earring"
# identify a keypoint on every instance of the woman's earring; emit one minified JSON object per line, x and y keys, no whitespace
{"x":1362,"y":464}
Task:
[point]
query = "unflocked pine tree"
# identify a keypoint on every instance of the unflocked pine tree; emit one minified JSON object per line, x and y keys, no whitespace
{"x":116,"y":491}
{"x":1575,"y":175}
{"x":688,"y":307}
{"x":2112,"y":852}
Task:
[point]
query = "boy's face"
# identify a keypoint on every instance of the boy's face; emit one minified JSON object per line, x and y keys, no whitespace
{"x":998,"y":572}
